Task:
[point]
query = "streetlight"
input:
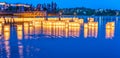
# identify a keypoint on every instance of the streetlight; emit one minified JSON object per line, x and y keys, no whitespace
{"x":60,"y":14}
{"x":75,"y":14}
{"x":117,"y":13}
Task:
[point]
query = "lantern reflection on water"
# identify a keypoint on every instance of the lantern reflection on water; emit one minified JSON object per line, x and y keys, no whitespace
{"x":91,"y":29}
{"x":61,"y":29}
{"x":56,"y":28}
{"x":110,"y":26}
{"x":19,"y":32}
{"x":7,"y":48}
{"x":1,"y":28}
{"x":91,"y":19}
{"x":26,"y":30}
{"x":85,"y":30}
{"x":20,"y":50}
{"x":6,"y":32}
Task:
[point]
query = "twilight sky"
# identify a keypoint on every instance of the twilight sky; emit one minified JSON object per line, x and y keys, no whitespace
{"x":111,"y":4}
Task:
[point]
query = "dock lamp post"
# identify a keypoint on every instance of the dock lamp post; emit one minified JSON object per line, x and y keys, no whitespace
{"x":75,"y":14}
{"x":117,"y":13}
{"x":60,"y":14}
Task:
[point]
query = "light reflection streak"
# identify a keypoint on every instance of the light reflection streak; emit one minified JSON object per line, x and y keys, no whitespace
{"x":62,"y":29}
{"x":6,"y":32}
{"x":19,"y":32}
{"x":74,"y":31}
{"x":6,"y":35}
{"x":59,"y":29}
{"x":1,"y":47}
{"x":7,"y":48}
{"x":110,"y":28}
{"x":53,"y":28}
{"x":91,"y":28}
{"x":20,"y":49}
{"x":85,"y":30}
{"x":1,"y":28}
{"x":26,"y":30}
{"x":31,"y":30}
{"x":38,"y":27}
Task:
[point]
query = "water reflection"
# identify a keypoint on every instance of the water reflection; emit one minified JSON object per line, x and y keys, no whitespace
{"x":26,"y":30}
{"x":20,"y":49}
{"x":6,"y":32}
{"x":91,"y":28}
{"x":110,"y":28}
{"x":19,"y":32}
{"x":57,"y":29}
{"x":48,"y":29}
{"x":61,"y":29}
{"x":0,"y":28}
{"x":7,"y":48}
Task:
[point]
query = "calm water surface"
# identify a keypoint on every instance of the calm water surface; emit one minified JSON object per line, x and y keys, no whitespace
{"x":98,"y":39}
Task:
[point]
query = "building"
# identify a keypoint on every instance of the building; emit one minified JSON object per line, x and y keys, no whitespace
{"x":39,"y":7}
{"x":14,"y":7}
{"x":20,"y":7}
{"x":3,"y":6}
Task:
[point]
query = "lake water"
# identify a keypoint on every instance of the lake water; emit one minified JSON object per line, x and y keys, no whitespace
{"x":96,"y":39}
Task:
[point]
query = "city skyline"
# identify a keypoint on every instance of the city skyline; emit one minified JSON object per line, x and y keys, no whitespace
{"x":95,"y":4}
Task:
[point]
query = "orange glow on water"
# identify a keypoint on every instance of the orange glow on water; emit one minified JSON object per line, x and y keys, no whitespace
{"x":74,"y":24}
{"x":91,"y":19}
{"x":26,"y":30}
{"x":85,"y":32}
{"x":57,"y":28}
{"x":6,"y":32}
{"x":19,"y":27}
{"x":7,"y":28}
{"x":19,"y":32}
{"x":31,"y":30}
{"x":110,"y":28}
{"x":66,"y":32}
{"x":38,"y":27}
{"x":61,"y":29}
{"x":1,"y":28}
{"x":81,"y":21}
{"x":74,"y":31}
{"x":96,"y":32}
{"x":91,"y":29}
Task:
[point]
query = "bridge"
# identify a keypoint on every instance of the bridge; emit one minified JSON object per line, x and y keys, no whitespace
{"x":6,"y":13}
{"x":25,"y":14}
{"x":31,"y":14}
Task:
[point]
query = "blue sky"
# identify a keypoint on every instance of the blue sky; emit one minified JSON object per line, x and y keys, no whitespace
{"x":111,"y":4}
